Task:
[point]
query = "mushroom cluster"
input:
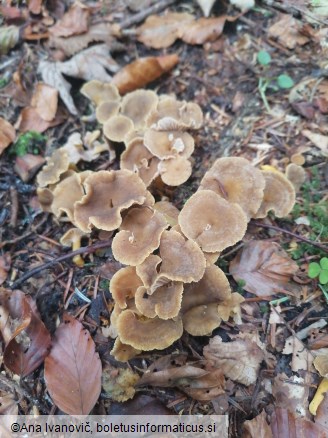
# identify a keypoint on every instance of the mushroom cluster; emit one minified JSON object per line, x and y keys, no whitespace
{"x":152,"y":128}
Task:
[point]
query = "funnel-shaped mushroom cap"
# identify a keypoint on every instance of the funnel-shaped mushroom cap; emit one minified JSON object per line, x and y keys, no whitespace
{"x":99,"y":92}
{"x":147,"y":334}
{"x":107,"y":194}
{"x":56,"y":165}
{"x":191,"y":115}
{"x":296,"y":175}
{"x":201,"y":320}
{"x":212,"y":222}
{"x":211,"y":257}
{"x":148,"y":270}
{"x":279,"y":195}
{"x":124,"y":285}
{"x":169,"y":211}
{"x":182,"y":260}
{"x":140,"y":235}
{"x":137,"y":158}
{"x":165,"y":302}
{"x":166,"y":144}
{"x":71,"y":236}
{"x":231,"y":307}
{"x":175,"y":171}
{"x":118,"y":127}
{"x":123,"y":352}
{"x":138,"y":105}
{"x":236,"y":180}
{"x":214,"y":287}
{"x":45,"y":197}
{"x":106,"y":110}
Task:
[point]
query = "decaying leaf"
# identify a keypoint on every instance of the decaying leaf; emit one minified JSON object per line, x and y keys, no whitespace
{"x":204,"y":29}
{"x":26,"y":337}
{"x":27,"y":166}
{"x":257,"y":428}
{"x":8,"y":412}
{"x":73,"y":369}
{"x":302,"y":359}
{"x":45,"y":101}
{"x":321,"y":417}
{"x":143,"y":71}
{"x":5,"y":263}
{"x":321,"y":362}
{"x":141,"y":404}
{"x":319,"y":140}
{"x":119,"y":383}
{"x":9,"y":37}
{"x":265,"y":267}
{"x":239,"y":360}
{"x":287,"y":31}
{"x":34,"y":6}
{"x":7,"y":134}
{"x":291,"y":393}
{"x":74,"y":22}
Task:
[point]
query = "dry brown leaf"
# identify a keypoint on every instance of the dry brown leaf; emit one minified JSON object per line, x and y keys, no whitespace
{"x":292,"y":393}
{"x":239,"y":360}
{"x":30,"y":120}
{"x":27,"y":166}
{"x":321,"y":417}
{"x":74,"y":22}
{"x":119,"y":383}
{"x":45,"y":101}
{"x":257,"y":428}
{"x":143,"y":71}
{"x":265,"y":267}
{"x":319,"y":140}
{"x":8,"y":412}
{"x":73,"y":369}
{"x":321,"y":363}
{"x":204,"y":29}
{"x":7,"y":134}
{"x":26,"y":337}
{"x":5,"y":263}
{"x":287,"y":31}
{"x":34,"y":6}
{"x":301,"y":358}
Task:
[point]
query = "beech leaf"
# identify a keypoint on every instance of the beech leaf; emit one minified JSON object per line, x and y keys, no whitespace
{"x":73,"y":369}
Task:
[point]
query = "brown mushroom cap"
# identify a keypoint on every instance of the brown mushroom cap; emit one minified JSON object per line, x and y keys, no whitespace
{"x":279,"y":195}
{"x":165,"y":302}
{"x":175,"y":171}
{"x":45,"y":197}
{"x":191,"y":115}
{"x":231,"y":307}
{"x":137,"y":158}
{"x":106,"y":110}
{"x":182,"y":260}
{"x":201,"y":320}
{"x":56,"y":165}
{"x":124,"y":285}
{"x":214,"y":287}
{"x":169,"y":211}
{"x":75,"y":147}
{"x":71,"y":236}
{"x":238,"y":181}
{"x":169,"y":144}
{"x":100,"y":92}
{"x":118,"y":127}
{"x":212,"y":222}
{"x":296,"y":175}
{"x":123,"y":352}
{"x":138,"y":105}
{"x":148,"y":270}
{"x":107,"y":194}
{"x":148,"y":334}
{"x":139,"y":235}
{"x":211,"y":257}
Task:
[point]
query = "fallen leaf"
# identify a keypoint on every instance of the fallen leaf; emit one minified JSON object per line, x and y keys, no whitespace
{"x":8,"y":412}
{"x":287,"y":32}
{"x":285,"y":424}
{"x":301,"y":358}
{"x":34,"y":6}
{"x":204,"y":29}
{"x":239,"y":360}
{"x":119,"y":383}
{"x":321,"y":363}
{"x":318,"y":339}
{"x":27,"y":165}
{"x":74,"y":22}
{"x":30,"y":120}
{"x":7,"y":134}
{"x":291,"y":393}
{"x":5,"y":264}
{"x":141,"y":404}
{"x":143,"y":71}
{"x":27,"y":339}
{"x":206,"y":6}
{"x":10,"y":12}
{"x":265,"y":267}
{"x":73,"y":369}
{"x":319,"y":141}
{"x":9,"y":37}
{"x":257,"y":428}
{"x":45,"y":101}
{"x":321,"y":417}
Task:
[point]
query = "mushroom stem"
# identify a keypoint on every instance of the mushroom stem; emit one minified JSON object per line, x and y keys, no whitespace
{"x":76,"y":244}
{"x":319,"y":396}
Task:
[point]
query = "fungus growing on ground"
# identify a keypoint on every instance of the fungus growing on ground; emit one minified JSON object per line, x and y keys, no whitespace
{"x":123,"y":352}
{"x":138,"y":105}
{"x":56,"y":165}
{"x":237,"y":181}
{"x":201,"y":320}
{"x":296,"y":175}
{"x":212,"y":222}
{"x":167,"y":144}
{"x":169,"y":211}
{"x":118,"y":127}
{"x":99,"y":92}
{"x":106,"y":110}
{"x":279,"y":195}
{"x":107,"y":194}
{"x":175,"y":171}
{"x":73,"y":238}
{"x":124,"y":284}
{"x":148,"y":270}
{"x":139,"y":235}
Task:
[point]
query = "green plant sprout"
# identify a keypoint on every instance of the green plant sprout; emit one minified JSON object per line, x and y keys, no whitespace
{"x":283,"y":81}
{"x":29,"y":143}
{"x":319,"y":270}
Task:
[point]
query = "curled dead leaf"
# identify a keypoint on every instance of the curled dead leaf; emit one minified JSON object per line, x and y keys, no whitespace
{"x":7,"y":134}
{"x":287,"y":30}
{"x":74,"y":22}
{"x":45,"y":101}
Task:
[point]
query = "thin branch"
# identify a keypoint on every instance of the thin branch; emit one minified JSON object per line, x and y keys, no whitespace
{"x":84,"y":250}
{"x":290,"y":233}
{"x":140,"y":16}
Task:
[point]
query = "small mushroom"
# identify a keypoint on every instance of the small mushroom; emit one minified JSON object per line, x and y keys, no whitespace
{"x":212,"y":222}
{"x":118,"y":127}
{"x":139,"y":235}
{"x":107,"y":194}
{"x":148,"y":270}
{"x":106,"y":110}
{"x":279,"y":195}
{"x":99,"y":92}
{"x":124,"y":285}
{"x":169,"y":211}
{"x":73,"y":238}
{"x":123,"y":352}
{"x":56,"y":165}
{"x":201,"y":320}
{"x":175,"y":171}
{"x":166,"y":144}
{"x":182,"y":259}
{"x":148,"y":334}
{"x":165,"y":302}
{"x":137,"y":106}
{"x":237,"y":181}
{"x":296,"y":175}
{"x":45,"y":198}
{"x":231,"y":307}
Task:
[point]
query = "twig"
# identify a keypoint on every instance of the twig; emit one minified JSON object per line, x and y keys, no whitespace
{"x":140,"y":16}
{"x":290,"y":233}
{"x":13,"y":207}
{"x":24,"y":236}
{"x":84,"y":250}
